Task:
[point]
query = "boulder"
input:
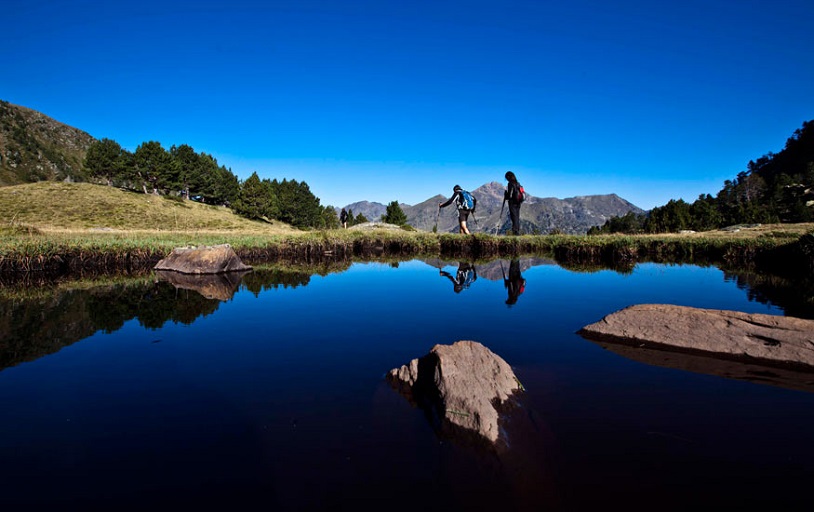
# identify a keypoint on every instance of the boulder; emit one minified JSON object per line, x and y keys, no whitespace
{"x":767,"y":339}
{"x":202,"y":260}
{"x":461,"y":386}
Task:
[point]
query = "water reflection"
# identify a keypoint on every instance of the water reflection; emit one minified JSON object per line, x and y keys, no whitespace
{"x":39,"y":317}
{"x":212,"y":286}
{"x":515,"y":284}
{"x":464,"y":276}
{"x":39,"y":320}
{"x":777,"y":375}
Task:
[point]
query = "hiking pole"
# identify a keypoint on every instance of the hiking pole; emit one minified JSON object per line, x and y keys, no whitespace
{"x":438,"y":214}
{"x":500,"y":217}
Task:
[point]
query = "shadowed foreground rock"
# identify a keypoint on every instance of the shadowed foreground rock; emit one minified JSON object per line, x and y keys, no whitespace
{"x":766,"y":339}
{"x":212,"y":286}
{"x":461,"y":385}
{"x":202,"y":260}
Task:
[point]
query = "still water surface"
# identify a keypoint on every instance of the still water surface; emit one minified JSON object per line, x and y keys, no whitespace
{"x":274,"y":398}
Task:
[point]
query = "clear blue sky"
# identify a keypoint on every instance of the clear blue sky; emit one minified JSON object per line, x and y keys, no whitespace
{"x":400,"y":100}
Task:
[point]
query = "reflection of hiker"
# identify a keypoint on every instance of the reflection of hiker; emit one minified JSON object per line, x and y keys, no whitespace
{"x":466,"y":204}
{"x":515,"y":283}
{"x":515,"y":195}
{"x":465,"y":276}
{"x":343,"y":218}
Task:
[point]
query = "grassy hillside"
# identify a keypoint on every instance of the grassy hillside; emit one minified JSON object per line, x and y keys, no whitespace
{"x":57,"y":206}
{"x":34,"y":147}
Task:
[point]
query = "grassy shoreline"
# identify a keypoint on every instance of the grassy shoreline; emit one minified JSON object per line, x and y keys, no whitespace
{"x":62,"y":251}
{"x":80,"y":227}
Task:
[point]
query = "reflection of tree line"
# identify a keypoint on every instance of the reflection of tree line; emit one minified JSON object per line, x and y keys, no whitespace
{"x":795,"y":297}
{"x":35,"y":322}
{"x":32,"y":328}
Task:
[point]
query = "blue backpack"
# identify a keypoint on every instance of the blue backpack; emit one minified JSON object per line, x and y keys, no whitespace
{"x":466,"y":201}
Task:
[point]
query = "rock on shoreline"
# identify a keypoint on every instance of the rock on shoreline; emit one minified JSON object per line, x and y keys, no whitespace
{"x":202,"y":260}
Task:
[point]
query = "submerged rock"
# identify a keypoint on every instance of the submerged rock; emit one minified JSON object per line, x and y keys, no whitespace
{"x":202,"y":260}
{"x":770,"y":339}
{"x":461,"y":385}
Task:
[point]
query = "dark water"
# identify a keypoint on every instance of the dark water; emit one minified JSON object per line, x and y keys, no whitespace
{"x":137,"y":394}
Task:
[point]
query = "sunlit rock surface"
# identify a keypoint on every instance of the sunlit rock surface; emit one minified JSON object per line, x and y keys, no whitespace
{"x":754,"y":337}
{"x":464,"y":384}
{"x":202,"y":260}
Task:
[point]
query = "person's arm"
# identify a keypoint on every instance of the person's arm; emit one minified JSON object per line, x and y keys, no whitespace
{"x":449,"y":201}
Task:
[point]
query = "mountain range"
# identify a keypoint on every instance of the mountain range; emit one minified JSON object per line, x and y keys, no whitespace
{"x":538,"y":215}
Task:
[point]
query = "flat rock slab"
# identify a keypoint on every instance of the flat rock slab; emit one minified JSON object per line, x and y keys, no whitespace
{"x":204,"y":259}
{"x":750,"y":337}
{"x":463,"y":384}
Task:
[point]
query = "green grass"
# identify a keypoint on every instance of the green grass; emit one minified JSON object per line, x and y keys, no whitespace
{"x":57,"y":206}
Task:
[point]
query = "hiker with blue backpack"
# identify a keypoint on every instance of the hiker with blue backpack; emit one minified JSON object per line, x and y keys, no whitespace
{"x":466,"y":204}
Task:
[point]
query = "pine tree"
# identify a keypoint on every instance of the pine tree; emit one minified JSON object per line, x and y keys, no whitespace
{"x":394,"y":214}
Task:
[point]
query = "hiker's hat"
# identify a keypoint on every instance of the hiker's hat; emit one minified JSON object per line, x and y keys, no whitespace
{"x":456,"y":188}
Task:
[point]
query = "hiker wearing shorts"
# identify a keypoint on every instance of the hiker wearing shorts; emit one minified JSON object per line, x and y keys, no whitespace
{"x":463,"y":213}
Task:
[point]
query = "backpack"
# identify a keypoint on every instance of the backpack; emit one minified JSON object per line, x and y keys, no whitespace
{"x":519,"y":193}
{"x":467,"y":277}
{"x":466,"y":201}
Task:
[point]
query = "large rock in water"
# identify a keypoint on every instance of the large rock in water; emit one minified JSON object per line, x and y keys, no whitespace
{"x":463,"y":384}
{"x":769,"y":339}
{"x":202,"y":260}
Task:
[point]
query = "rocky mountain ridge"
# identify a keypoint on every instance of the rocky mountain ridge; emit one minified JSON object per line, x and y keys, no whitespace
{"x":572,"y":215}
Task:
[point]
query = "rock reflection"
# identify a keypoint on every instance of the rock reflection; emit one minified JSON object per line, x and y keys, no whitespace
{"x":759,"y":374}
{"x":761,"y":348}
{"x":212,"y":286}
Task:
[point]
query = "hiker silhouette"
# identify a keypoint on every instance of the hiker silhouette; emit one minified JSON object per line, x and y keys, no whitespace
{"x":515,"y":283}
{"x":464,"y":276}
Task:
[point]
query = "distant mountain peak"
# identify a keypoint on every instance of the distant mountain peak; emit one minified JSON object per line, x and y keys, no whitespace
{"x":541,"y":216}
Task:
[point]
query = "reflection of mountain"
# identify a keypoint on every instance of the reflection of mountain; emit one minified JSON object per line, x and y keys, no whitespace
{"x":493,"y":270}
{"x":759,"y":374}
{"x":497,"y":270}
{"x":212,"y":286}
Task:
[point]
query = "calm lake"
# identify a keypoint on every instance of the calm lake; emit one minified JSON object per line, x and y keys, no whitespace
{"x":135,"y":394}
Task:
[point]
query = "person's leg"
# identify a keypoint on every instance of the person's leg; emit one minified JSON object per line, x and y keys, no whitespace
{"x":462,"y":216}
{"x":514,"y":213}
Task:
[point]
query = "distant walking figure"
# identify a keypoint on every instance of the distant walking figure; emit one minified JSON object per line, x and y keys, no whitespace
{"x":343,"y":218}
{"x":515,"y":195}
{"x":466,"y":204}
